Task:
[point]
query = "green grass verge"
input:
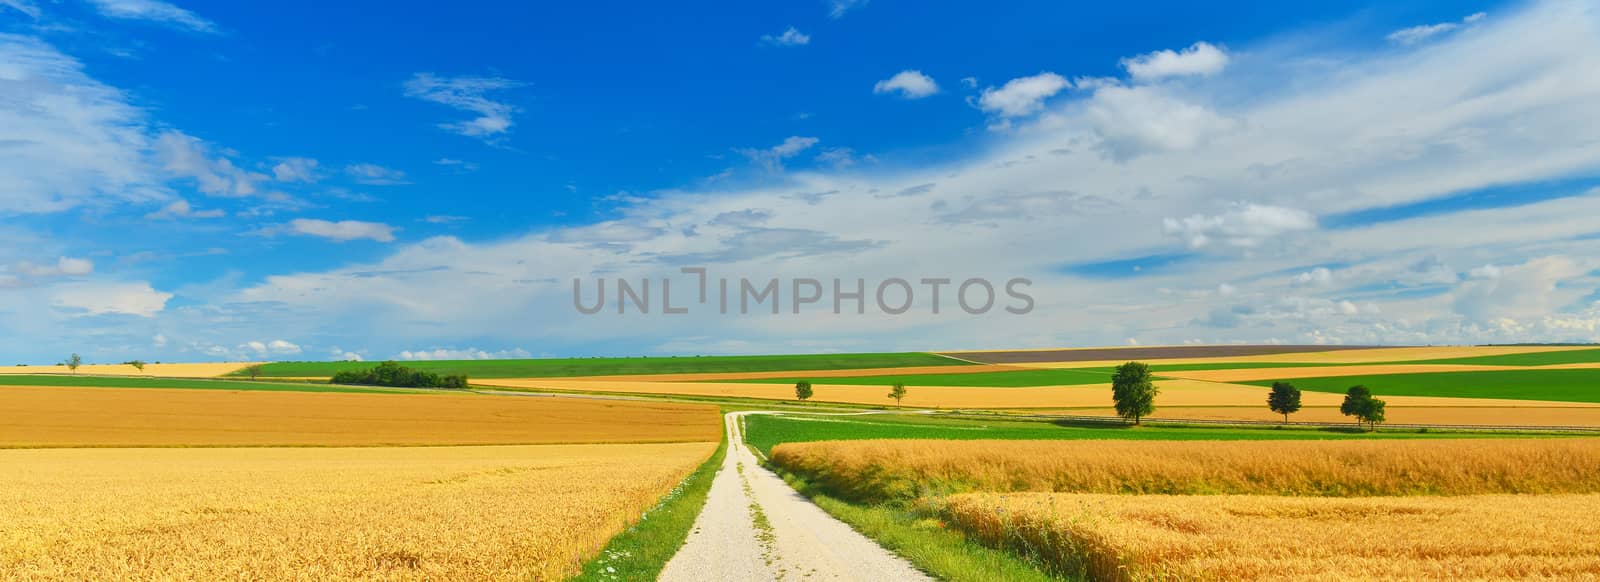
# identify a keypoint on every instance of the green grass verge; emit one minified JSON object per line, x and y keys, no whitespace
{"x":945,"y":553}
{"x":553,"y":368}
{"x":1529,"y":359}
{"x":1550,"y":385}
{"x":181,"y":383}
{"x":642,"y":550}
{"x":766,"y":431}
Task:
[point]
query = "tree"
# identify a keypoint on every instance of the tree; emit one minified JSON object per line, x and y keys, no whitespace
{"x":253,"y":370}
{"x":802,"y":390}
{"x":1133,"y":391}
{"x":1284,"y":399}
{"x":137,"y":364}
{"x":1358,"y":402}
{"x":898,"y":392}
{"x":73,"y":363}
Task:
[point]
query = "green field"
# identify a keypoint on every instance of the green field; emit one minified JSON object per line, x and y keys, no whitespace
{"x":1532,"y":359}
{"x":767,"y":431}
{"x":1553,"y":385}
{"x":1017,"y":379}
{"x":553,"y":368}
{"x":182,"y":383}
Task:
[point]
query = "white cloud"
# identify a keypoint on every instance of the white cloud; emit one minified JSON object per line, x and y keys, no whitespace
{"x":1245,"y":226}
{"x":1416,"y":34}
{"x":444,"y":219}
{"x":272,"y":348}
{"x":842,"y":157}
{"x":910,"y":84}
{"x":375,"y":175}
{"x":66,"y":140}
{"x":185,"y":156}
{"x":295,"y":170}
{"x":1201,"y":58}
{"x":100,"y":298}
{"x":64,"y":267}
{"x":772,"y":158}
{"x":1318,"y":277}
{"x":154,"y":11}
{"x":838,"y":8}
{"x":344,"y":230}
{"x":1022,"y":96}
{"x":181,"y":209}
{"x":451,"y":162}
{"x":469,"y":94}
{"x":790,"y":37}
{"x":466,"y":354}
{"x":24,"y":6}
{"x":1140,"y":120}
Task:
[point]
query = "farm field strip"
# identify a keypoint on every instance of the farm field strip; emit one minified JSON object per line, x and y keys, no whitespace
{"x":782,"y":375}
{"x":184,"y":383}
{"x":1009,"y":377}
{"x":1559,"y":385}
{"x":1114,"y":537}
{"x":162,"y":370}
{"x":571,"y":367}
{"x":67,"y":417}
{"x":1403,"y":355}
{"x":428,"y":513}
{"x":887,"y":470}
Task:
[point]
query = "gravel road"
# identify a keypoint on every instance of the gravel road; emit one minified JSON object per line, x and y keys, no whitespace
{"x":755,"y":527}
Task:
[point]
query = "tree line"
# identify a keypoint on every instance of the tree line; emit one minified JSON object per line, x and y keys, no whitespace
{"x":393,"y":374}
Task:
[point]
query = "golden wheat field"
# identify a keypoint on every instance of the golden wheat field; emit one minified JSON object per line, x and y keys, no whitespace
{"x":1226,"y":537}
{"x":903,"y":469}
{"x":61,"y":416}
{"x":413,"y":513}
{"x":152,"y":370}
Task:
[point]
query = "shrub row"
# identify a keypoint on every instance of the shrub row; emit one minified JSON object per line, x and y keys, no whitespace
{"x":396,"y":375}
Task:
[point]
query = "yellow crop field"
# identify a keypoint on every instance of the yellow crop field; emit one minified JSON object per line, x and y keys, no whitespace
{"x":61,"y":416}
{"x":888,"y":469}
{"x":395,"y":513}
{"x":1144,"y":537}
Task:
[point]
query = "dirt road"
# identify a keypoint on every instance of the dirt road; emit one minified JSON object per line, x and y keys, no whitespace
{"x":755,"y":527}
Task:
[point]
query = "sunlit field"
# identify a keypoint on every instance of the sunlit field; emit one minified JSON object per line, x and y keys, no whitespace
{"x":411,"y":513}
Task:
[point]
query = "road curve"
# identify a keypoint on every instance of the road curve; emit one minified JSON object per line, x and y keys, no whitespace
{"x":755,"y":527}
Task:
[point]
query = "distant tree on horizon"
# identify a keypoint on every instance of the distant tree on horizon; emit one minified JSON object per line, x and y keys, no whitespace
{"x":1284,"y":399}
{"x":1133,"y":391}
{"x":137,"y":364}
{"x":802,"y":390}
{"x":253,"y":370}
{"x":898,"y":392}
{"x":73,"y":363}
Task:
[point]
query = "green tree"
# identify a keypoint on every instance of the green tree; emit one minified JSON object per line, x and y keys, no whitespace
{"x":253,"y":370}
{"x":137,"y":364}
{"x":802,"y":390}
{"x":1358,"y":402}
{"x":898,"y":392}
{"x":1133,"y":391}
{"x":1284,"y":399}
{"x":73,"y":363}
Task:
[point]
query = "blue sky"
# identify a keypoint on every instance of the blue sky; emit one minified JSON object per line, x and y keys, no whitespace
{"x":205,"y":181}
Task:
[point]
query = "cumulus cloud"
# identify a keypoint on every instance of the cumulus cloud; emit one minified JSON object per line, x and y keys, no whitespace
{"x":790,"y":37}
{"x":153,"y":11}
{"x":772,"y":158}
{"x":271,"y":348}
{"x":1318,"y":277}
{"x":1022,"y":96}
{"x":295,"y":170}
{"x":1246,"y":226}
{"x":110,"y":298}
{"x":1201,"y":58}
{"x":469,"y":94}
{"x":1135,"y":121}
{"x":910,"y":84}
{"x":1521,"y":291}
{"x":343,"y":230}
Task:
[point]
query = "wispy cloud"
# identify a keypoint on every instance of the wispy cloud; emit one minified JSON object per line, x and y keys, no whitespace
{"x":838,"y":8}
{"x":790,"y":37}
{"x":154,"y":11}
{"x":772,"y":158}
{"x":343,"y":230}
{"x":1419,"y":33}
{"x":375,"y":175}
{"x":469,"y":94}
